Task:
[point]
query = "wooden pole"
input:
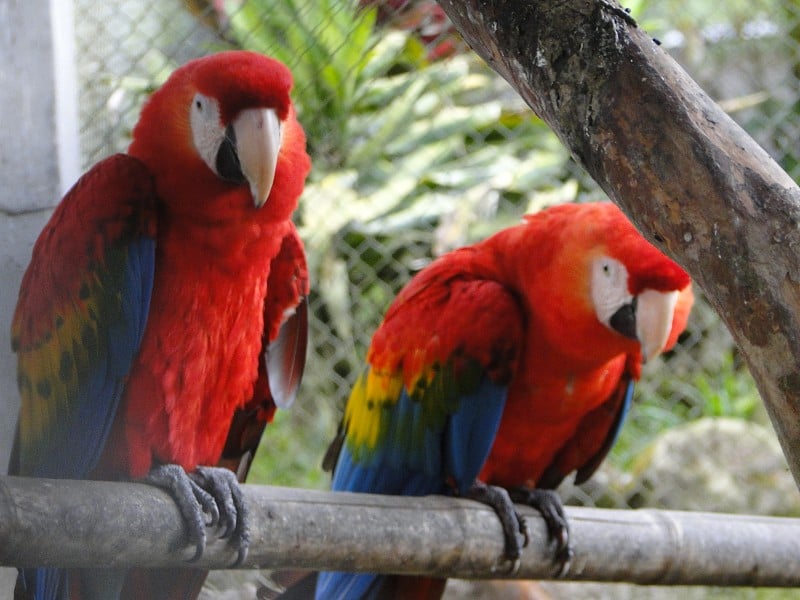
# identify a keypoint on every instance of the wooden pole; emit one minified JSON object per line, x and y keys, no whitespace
{"x":101,"y":524}
{"x":690,"y":178}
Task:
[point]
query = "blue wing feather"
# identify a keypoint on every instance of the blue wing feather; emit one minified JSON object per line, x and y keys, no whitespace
{"x":456,"y":452}
{"x":471,"y":431}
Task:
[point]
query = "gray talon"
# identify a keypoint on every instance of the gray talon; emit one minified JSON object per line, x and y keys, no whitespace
{"x":210,"y":491}
{"x":549,"y":505}
{"x":515,"y":530}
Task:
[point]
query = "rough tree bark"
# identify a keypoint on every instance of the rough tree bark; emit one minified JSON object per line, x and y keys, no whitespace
{"x":691,"y":179}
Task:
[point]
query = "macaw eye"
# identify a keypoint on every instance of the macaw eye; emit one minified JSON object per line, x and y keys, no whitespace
{"x":611,"y":270}
{"x":200,"y":103}
{"x":207,"y":131}
{"x":608,"y":285}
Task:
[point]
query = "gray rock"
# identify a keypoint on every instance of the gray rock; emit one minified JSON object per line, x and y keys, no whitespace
{"x":719,"y":465}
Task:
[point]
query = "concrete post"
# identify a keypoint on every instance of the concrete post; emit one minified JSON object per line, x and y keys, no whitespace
{"x":39,"y":160}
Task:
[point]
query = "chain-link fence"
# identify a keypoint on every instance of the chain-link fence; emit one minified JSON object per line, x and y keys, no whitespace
{"x":418,"y":148}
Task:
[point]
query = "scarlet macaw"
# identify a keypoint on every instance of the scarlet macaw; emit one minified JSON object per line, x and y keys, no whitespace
{"x":509,"y":363}
{"x":163,"y":313}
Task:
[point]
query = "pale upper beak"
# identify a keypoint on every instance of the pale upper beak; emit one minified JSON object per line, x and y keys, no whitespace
{"x":258,"y":143}
{"x":654,"y":312}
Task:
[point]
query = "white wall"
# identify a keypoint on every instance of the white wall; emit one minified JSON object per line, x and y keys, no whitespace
{"x":39,"y":158}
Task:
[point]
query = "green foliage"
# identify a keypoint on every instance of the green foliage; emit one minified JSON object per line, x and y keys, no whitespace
{"x":291,"y":454}
{"x":692,"y":16}
{"x":330,"y":45}
{"x":436,"y":147}
{"x":729,"y":392}
{"x":743,"y":53}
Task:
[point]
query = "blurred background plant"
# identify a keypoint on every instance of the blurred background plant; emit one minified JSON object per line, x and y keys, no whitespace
{"x":419,"y":148}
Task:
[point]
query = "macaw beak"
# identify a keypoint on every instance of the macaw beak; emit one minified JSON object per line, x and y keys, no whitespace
{"x":654,"y":313}
{"x":257,"y":133}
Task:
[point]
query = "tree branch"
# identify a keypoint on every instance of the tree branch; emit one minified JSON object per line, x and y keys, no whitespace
{"x":102,"y":524}
{"x":690,"y":178}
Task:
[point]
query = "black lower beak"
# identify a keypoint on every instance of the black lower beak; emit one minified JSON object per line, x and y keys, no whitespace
{"x":624,"y":320}
{"x":228,"y":166}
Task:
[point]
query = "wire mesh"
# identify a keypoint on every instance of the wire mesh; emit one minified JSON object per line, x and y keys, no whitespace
{"x":418,"y":148}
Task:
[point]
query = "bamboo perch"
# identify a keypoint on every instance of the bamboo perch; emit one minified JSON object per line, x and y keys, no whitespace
{"x":81,"y":523}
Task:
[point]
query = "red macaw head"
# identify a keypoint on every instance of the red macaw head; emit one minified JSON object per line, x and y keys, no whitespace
{"x":608,"y":289}
{"x":635,"y":289}
{"x":224,"y":127}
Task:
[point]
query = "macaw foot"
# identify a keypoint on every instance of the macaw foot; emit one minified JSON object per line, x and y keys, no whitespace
{"x":210,"y":491}
{"x":549,"y":505}
{"x":515,"y":529}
